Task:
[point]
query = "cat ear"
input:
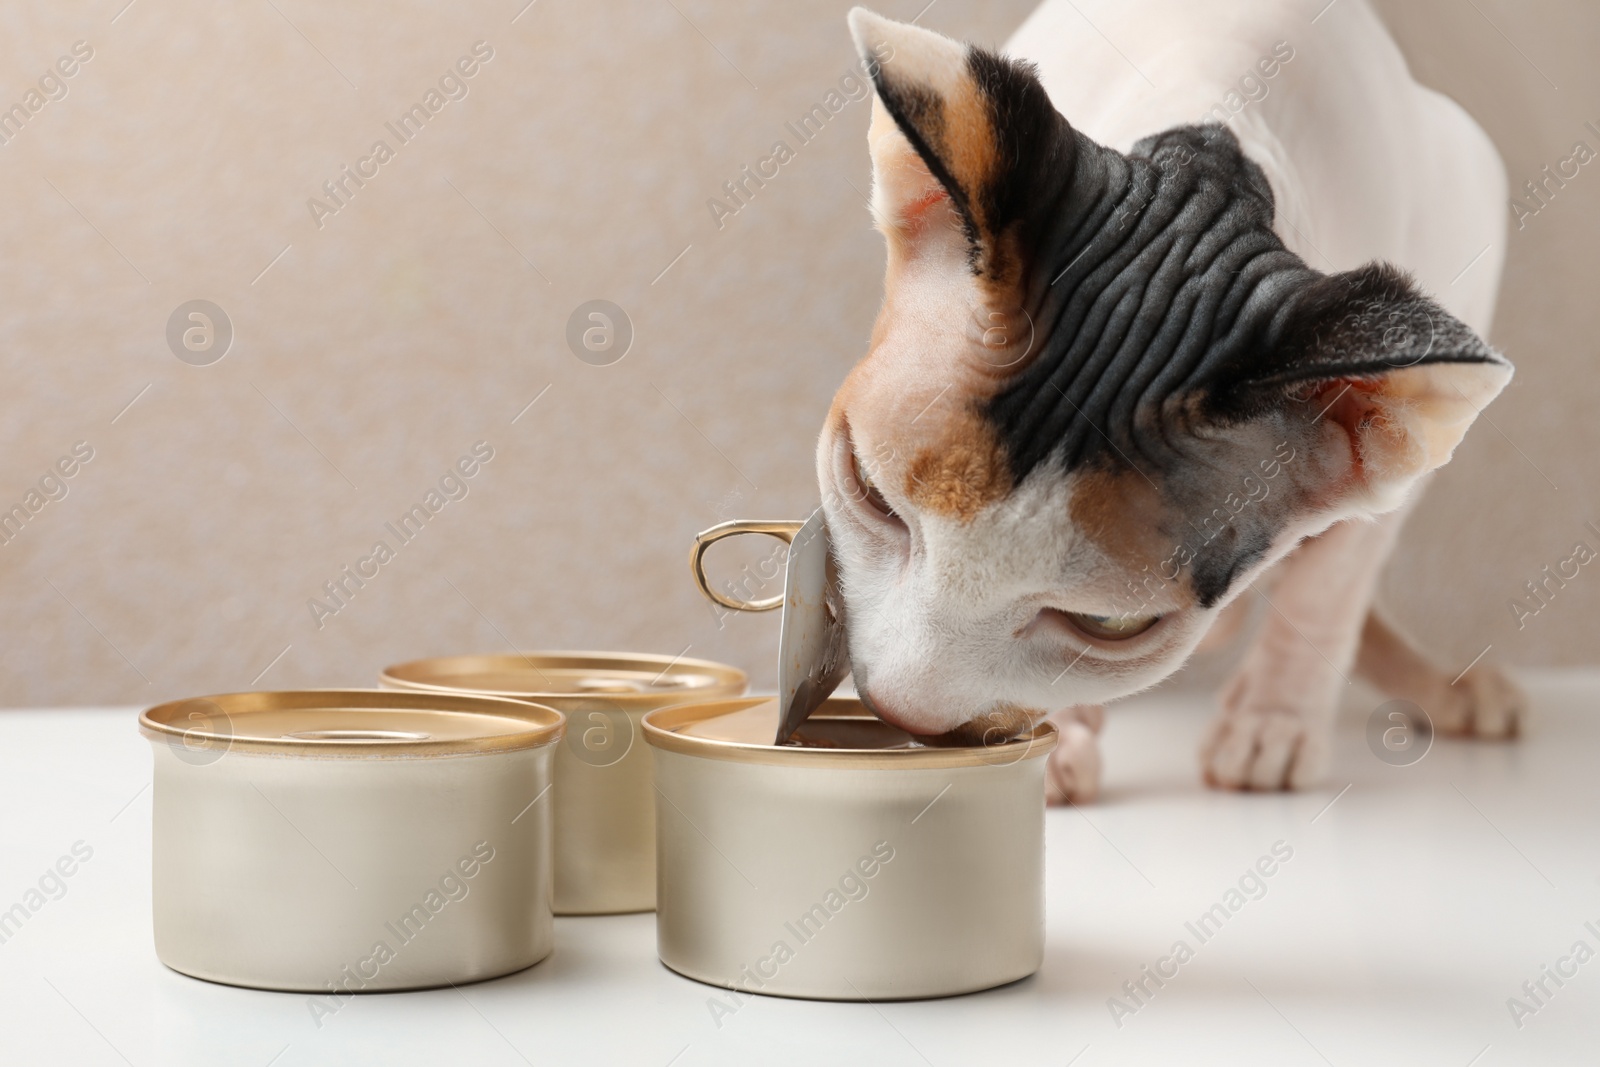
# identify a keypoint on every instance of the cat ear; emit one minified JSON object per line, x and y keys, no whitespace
{"x":958,"y":123}
{"x":1366,"y":354}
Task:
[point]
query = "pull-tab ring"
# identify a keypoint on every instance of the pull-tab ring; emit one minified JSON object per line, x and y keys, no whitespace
{"x":783,"y":529}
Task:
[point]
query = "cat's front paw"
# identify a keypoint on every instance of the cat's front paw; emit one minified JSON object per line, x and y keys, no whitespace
{"x":1072,"y":772}
{"x":1486,"y":703}
{"x":1265,"y":748}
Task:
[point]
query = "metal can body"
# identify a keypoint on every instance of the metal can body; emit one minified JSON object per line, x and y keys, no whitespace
{"x":605,"y":826}
{"x":362,"y":868}
{"x":604,"y":797}
{"x":848,"y":874}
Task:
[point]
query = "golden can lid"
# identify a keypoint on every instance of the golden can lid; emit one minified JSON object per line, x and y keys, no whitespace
{"x":627,"y":679}
{"x":324,"y":723}
{"x":841,"y":733}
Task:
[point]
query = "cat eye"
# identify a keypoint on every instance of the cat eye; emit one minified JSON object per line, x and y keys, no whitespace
{"x":1112,"y":627}
{"x":869,"y":491}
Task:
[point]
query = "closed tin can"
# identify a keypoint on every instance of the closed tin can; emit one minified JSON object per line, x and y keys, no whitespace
{"x":863,"y":867}
{"x":341,"y":841}
{"x":605,"y":838}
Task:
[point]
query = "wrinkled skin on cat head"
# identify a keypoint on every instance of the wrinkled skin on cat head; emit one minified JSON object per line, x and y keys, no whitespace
{"x":1100,"y":398}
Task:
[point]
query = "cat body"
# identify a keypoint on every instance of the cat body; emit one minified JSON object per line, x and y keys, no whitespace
{"x":1136,"y":368}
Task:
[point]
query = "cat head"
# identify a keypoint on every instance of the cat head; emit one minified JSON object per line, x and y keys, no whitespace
{"x":1101,"y":396}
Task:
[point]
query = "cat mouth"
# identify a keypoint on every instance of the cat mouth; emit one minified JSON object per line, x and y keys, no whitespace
{"x":1001,"y":723}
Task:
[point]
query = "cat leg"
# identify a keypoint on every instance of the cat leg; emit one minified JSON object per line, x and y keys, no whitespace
{"x":1481,"y":702}
{"x":1276,"y":720}
{"x":1230,"y":623}
{"x":1072,"y":770}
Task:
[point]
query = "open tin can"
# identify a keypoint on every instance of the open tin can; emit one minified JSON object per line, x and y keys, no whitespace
{"x":854,"y":865}
{"x":605,"y":810}
{"x":340,"y":841}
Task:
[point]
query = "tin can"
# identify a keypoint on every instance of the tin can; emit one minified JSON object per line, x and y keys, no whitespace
{"x":605,"y":810}
{"x":868,"y":868}
{"x":341,"y":841}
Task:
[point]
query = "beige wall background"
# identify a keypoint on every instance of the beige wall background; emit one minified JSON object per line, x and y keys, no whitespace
{"x":374,"y":350}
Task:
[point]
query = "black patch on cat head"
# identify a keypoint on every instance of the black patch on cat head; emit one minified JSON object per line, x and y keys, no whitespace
{"x":1165,"y":298}
{"x":1161,"y":267}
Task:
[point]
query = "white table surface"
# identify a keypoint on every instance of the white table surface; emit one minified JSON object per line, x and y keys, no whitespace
{"x":1412,"y":908}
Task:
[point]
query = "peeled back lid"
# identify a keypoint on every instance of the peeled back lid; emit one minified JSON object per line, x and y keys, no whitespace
{"x":324,"y":723}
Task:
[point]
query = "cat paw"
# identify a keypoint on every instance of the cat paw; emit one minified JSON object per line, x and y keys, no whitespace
{"x":1264,"y":749}
{"x":1072,"y":771}
{"x":1485,"y":703}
